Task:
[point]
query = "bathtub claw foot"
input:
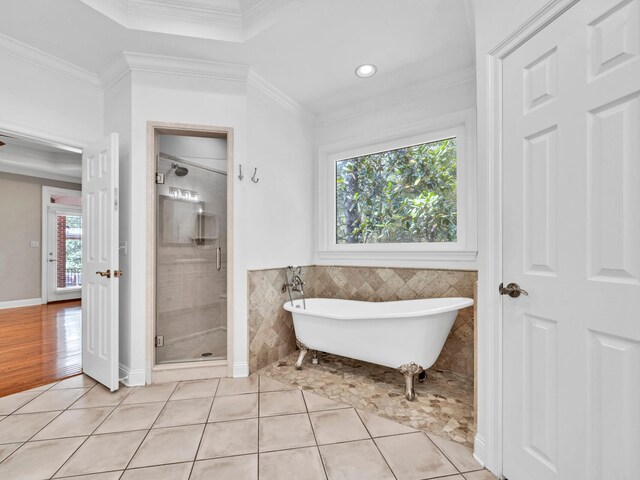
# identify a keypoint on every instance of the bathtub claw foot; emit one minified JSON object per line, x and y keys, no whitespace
{"x":409,"y":370}
{"x":303,"y":352}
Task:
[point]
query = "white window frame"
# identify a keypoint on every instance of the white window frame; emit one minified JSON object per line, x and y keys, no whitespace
{"x":460,"y":125}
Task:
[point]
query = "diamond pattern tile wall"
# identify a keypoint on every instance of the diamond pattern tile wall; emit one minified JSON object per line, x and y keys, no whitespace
{"x":271,"y":335}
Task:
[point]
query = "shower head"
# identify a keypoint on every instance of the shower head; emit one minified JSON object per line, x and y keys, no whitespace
{"x":180,"y":171}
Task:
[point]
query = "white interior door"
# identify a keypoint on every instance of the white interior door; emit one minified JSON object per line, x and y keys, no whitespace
{"x":571,"y":226}
{"x":100,"y":265}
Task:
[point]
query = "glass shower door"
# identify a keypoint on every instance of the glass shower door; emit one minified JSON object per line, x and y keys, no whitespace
{"x":191,"y":261}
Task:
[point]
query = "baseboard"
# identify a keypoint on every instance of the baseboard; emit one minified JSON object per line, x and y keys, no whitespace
{"x":132,"y":378}
{"x":240,"y":369}
{"x":21,"y":303}
{"x":479,"y":450}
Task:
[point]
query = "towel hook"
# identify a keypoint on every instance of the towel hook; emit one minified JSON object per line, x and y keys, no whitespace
{"x":253,"y":177}
{"x":241,"y":176}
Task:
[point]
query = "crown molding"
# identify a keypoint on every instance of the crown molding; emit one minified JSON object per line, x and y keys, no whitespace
{"x":280,"y":97}
{"x":258,"y":15}
{"x":35,"y":163}
{"x":396,"y":97}
{"x":26,"y":131}
{"x":221,"y":13}
{"x":127,"y":62}
{"x":226,"y":20}
{"x":46,"y":61}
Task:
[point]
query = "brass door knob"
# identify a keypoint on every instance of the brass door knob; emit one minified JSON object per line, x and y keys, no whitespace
{"x":105,"y":274}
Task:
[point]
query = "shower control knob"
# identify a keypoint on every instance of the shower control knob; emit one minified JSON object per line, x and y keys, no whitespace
{"x":513,"y":290}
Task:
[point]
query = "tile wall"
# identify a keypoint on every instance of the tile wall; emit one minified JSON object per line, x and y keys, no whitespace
{"x":271,"y":335}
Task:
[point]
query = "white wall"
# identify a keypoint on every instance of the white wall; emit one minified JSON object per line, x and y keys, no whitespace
{"x":46,"y":105}
{"x":169,"y":98}
{"x":272,"y":221}
{"x":21,"y":214}
{"x":117,"y":118}
{"x":278,"y":217}
{"x":392,"y":115}
{"x":496,"y":19}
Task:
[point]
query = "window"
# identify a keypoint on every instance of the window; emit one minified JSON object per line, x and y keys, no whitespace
{"x":405,"y":195}
{"x":408,"y":197}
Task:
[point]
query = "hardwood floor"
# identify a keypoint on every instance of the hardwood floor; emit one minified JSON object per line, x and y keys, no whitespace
{"x":39,"y":345}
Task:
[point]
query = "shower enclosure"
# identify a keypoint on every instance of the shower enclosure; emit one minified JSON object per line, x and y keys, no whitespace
{"x":191,"y":249}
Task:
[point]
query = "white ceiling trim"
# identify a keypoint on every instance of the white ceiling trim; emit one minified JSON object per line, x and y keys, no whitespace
{"x":280,"y":97}
{"x":220,"y":20}
{"x":258,"y":15}
{"x":43,"y":60}
{"x":35,"y":163}
{"x":191,"y":11}
{"x":227,"y":20}
{"x":139,"y":62}
{"x":50,"y":174}
{"x":395,"y":97}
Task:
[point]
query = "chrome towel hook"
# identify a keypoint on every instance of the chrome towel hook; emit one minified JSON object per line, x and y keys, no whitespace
{"x":253,"y":177}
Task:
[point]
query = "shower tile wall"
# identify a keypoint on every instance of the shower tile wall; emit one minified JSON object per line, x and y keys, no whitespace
{"x":191,"y":304}
{"x":271,"y":334}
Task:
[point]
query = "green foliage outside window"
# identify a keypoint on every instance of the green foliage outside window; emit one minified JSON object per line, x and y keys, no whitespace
{"x":74,"y":245}
{"x":406,"y":195}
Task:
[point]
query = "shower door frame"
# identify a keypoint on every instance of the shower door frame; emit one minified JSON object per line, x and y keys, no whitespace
{"x":157,"y":373}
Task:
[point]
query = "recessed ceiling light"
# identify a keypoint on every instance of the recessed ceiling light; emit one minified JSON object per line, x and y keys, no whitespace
{"x":367,"y":70}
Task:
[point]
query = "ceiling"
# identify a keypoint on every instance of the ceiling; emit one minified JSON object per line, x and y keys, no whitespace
{"x":306,"y":48}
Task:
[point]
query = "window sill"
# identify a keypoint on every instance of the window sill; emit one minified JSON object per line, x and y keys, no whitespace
{"x":465,"y":257}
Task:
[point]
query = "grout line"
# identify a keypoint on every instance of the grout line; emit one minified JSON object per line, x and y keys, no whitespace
{"x":45,"y":426}
{"x":79,"y":477}
{"x":376,"y":445}
{"x":96,"y":386}
{"x":324,"y":468}
{"x":204,"y":429}
{"x":442,"y":452}
{"x":148,"y":431}
{"x":384,"y":458}
{"x":258,"y":439}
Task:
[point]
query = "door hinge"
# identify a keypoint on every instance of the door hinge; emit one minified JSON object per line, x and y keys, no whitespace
{"x":160,"y":341}
{"x":160,"y":178}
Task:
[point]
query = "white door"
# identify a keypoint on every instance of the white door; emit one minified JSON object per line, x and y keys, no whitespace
{"x":571,"y":193}
{"x":100,"y":262}
{"x":64,"y":253}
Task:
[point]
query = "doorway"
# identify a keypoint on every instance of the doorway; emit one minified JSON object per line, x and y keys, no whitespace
{"x":62,"y":244}
{"x":192,"y":258}
{"x":40,"y":308}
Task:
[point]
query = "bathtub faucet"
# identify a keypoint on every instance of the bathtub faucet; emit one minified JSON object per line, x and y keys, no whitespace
{"x":296,"y":284}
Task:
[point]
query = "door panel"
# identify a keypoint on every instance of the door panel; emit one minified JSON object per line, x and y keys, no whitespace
{"x":100,"y":253}
{"x":571,"y":190}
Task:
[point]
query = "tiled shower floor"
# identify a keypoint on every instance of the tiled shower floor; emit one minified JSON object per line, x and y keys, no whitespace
{"x":230,"y":429}
{"x":443,"y":404}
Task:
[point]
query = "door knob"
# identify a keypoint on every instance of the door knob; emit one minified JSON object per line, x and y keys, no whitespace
{"x":513,"y":290}
{"x":52,"y":260}
{"x":105,"y":274}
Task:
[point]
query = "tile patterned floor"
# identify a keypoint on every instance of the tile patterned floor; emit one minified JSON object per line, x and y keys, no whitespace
{"x":240,"y":429}
{"x":443,"y":404}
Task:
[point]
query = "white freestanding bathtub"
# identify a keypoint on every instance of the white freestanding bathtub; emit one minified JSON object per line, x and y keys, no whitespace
{"x":407,"y":335}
